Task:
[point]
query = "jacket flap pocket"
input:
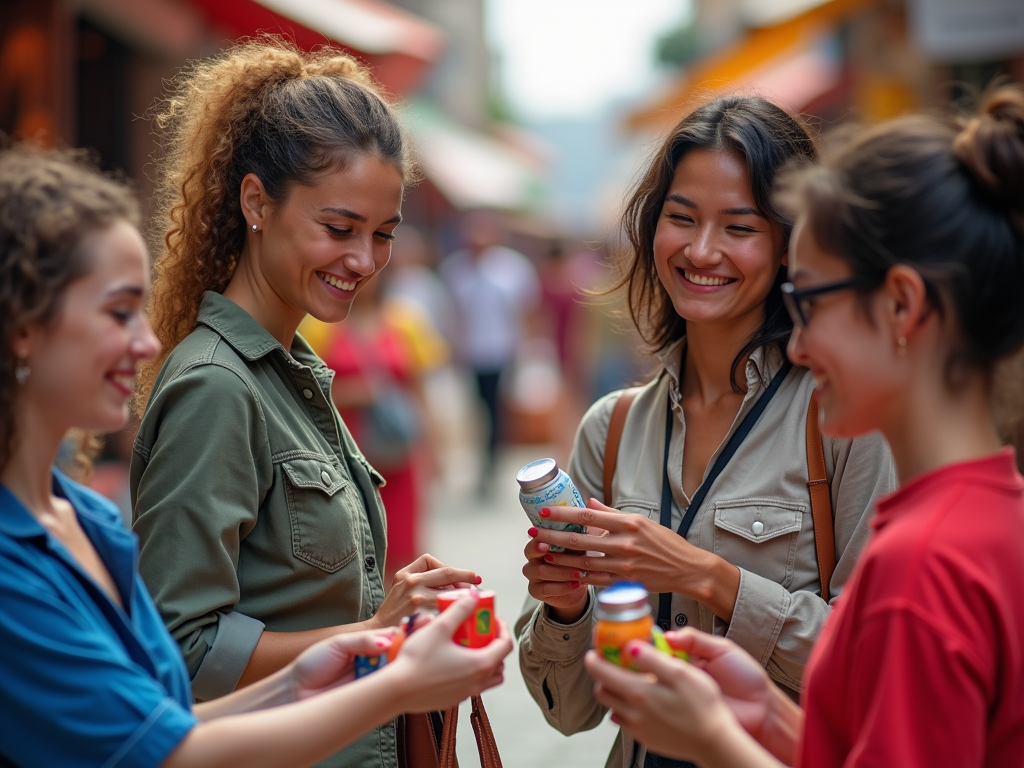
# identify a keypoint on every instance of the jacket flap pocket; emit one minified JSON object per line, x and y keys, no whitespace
{"x":759,"y":519}
{"x":314,"y":473}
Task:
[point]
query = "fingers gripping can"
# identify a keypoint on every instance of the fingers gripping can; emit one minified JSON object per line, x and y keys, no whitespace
{"x":543,"y":484}
{"x":623,"y":614}
{"x":479,"y":629}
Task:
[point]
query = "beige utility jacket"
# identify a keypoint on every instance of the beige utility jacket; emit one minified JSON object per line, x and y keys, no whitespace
{"x":779,"y":611}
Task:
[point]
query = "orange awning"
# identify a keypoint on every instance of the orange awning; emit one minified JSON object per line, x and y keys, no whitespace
{"x":783,"y":61}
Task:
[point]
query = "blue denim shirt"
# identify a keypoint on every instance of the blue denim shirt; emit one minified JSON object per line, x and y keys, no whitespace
{"x":83,"y":682}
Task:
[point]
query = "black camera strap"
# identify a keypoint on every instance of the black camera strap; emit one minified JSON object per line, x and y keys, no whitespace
{"x":665,"y":598}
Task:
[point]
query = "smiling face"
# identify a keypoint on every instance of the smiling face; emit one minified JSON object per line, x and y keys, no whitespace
{"x":83,"y":364}
{"x":715,"y":253}
{"x":323,"y":242}
{"x":859,"y":382}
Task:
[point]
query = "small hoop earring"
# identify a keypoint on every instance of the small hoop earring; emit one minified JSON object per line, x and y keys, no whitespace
{"x":901,"y":346}
{"x":255,"y":228}
{"x":22,"y":371}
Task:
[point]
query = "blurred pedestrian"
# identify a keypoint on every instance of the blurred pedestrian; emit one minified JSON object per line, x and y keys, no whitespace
{"x":260,"y":521}
{"x":713,"y":454}
{"x":495,"y":290}
{"x":907,"y":265}
{"x":88,"y":674}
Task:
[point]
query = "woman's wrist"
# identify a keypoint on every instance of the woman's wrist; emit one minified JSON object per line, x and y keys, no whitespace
{"x":782,"y":727}
{"x":718,"y":586}
{"x":572,"y":614}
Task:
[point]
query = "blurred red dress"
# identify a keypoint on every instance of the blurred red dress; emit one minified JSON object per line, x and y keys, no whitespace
{"x":384,"y":353}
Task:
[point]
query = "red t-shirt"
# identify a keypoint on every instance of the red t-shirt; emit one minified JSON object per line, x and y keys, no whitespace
{"x":922,"y":662}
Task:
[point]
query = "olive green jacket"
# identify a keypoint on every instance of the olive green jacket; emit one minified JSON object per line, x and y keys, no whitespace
{"x":254,"y":507}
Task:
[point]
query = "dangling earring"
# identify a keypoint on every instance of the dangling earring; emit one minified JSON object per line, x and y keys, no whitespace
{"x":255,"y":228}
{"x":22,"y":371}
{"x":901,"y":346}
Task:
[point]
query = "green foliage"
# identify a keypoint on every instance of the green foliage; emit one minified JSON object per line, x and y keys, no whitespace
{"x":679,"y":46}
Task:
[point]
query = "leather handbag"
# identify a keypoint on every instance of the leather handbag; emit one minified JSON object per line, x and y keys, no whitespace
{"x":428,"y":740}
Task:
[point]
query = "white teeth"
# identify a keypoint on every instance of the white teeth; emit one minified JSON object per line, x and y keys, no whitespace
{"x":702,"y":280}
{"x":332,"y":280}
{"x":123,"y":380}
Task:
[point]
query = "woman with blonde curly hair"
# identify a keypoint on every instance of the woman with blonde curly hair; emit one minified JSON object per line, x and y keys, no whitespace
{"x":89,"y":675}
{"x":260,"y":521}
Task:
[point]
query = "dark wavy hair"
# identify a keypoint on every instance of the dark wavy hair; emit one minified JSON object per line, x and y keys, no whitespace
{"x":49,"y":201}
{"x":767,"y":138}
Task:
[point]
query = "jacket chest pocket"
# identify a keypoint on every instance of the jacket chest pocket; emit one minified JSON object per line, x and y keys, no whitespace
{"x":759,"y":535}
{"x":323,"y":510}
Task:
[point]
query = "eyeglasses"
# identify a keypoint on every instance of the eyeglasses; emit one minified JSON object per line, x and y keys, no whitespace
{"x":797,"y":299}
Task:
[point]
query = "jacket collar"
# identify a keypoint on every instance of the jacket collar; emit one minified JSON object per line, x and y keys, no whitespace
{"x":762,"y":364}
{"x":246,"y":336}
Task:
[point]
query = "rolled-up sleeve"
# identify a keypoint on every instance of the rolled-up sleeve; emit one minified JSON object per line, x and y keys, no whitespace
{"x":196,"y":493}
{"x":69,"y":696}
{"x":779,"y":627}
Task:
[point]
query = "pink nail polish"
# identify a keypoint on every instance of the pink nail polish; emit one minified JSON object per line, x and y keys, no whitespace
{"x":634,"y":650}
{"x":478,"y":579}
{"x":549,"y":558}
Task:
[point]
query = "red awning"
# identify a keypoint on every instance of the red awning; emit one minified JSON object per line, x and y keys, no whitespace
{"x":399,"y":46}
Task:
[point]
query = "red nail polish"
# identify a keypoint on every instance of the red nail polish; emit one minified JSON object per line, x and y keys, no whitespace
{"x":478,"y":579}
{"x":549,"y":558}
{"x":634,"y":650}
{"x":575,"y":574}
{"x":532,"y":531}
{"x":574,"y":585}
{"x":381,"y":642}
{"x":545,"y":512}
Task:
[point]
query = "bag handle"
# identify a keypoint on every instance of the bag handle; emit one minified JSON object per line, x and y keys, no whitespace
{"x":485,"y":744}
{"x":614,"y":437}
{"x":821,"y":501}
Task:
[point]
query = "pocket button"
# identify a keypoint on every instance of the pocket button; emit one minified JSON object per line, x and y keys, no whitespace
{"x":681,"y":620}
{"x":370,"y":562}
{"x":757,"y":527}
{"x":325,"y":477}
{"x":308,"y":394}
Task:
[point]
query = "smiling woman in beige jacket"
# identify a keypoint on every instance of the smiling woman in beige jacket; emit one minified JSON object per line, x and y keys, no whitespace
{"x":709,"y":251}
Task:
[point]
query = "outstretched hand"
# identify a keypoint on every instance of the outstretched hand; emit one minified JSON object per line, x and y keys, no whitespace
{"x":329,"y":663}
{"x":437,"y":673}
{"x":416,"y":586}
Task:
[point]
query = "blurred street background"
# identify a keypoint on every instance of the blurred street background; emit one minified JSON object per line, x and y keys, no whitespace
{"x":482,"y":343}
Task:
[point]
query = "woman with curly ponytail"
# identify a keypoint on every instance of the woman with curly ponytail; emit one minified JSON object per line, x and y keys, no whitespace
{"x":260,"y":521}
{"x":907,"y":266}
{"x":89,"y":674}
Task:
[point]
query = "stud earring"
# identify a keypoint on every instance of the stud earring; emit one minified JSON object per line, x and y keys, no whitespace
{"x":901,"y":346}
{"x":255,"y":228}
{"x":22,"y":371}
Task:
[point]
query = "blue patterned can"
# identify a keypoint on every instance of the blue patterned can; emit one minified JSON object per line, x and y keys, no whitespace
{"x":364,"y":665}
{"x":543,"y":484}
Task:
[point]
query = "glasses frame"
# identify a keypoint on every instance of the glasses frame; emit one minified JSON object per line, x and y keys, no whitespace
{"x":792,"y":296}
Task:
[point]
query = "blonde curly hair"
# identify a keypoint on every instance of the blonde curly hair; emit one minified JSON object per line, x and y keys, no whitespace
{"x":261,"y":107}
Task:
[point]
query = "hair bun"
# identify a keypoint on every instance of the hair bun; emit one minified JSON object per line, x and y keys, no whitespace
{"x":991,"y":147}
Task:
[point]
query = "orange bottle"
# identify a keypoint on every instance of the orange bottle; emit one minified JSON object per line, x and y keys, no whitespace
{"x":623,"y":614}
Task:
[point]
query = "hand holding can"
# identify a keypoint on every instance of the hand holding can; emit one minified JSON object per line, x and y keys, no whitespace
{"x":480,"y":628}
{"x":542,"y":484}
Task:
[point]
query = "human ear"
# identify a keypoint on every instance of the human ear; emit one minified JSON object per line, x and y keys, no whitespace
{"x":905,"y":300}
{"x":785,"y":258}
{"x":254,"y":200}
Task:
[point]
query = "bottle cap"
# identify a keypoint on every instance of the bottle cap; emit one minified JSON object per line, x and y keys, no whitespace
{"x":536,"y":474}
{"x":623,"y":601}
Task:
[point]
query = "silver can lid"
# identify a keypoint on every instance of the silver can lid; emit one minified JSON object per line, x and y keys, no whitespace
{"x":623,"y":601}
{"x":536,"y":474}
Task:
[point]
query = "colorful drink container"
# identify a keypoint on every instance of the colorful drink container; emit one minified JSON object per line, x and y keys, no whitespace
{"x":624,"y":614}
{"x":542,"y":484}
{"x":480,"y":628}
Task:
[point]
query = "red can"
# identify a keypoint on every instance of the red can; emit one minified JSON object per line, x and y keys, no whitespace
{"x":480,"y":628}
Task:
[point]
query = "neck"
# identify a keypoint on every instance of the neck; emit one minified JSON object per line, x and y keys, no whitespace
{"x":931,"y":427}
{"x":710,"y":351}
{"x":27,"y":473}
{"x":250,"y":290}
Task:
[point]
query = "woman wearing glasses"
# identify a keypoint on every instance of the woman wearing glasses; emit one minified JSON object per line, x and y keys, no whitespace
{"x":719,"y":526}
{"x":907,"y":263}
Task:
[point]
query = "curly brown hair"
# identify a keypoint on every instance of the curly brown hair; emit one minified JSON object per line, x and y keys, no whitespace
{"x":49,"y":201}
{"x":261,"y":107}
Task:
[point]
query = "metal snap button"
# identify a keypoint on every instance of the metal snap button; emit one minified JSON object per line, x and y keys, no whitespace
{"x":325,"y":477}
{"x":308,"y":394}
{"x":681,"y":620}
{"x":370,"y":563}
{"x":757,"y":527}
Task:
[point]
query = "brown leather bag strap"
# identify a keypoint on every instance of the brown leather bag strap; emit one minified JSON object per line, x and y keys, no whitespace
{"x":611,"y":445}
{"x":821,"y":501}
{"x":485,"y":743}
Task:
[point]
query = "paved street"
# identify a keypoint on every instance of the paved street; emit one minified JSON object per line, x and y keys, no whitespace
{"x":488,"y":536}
